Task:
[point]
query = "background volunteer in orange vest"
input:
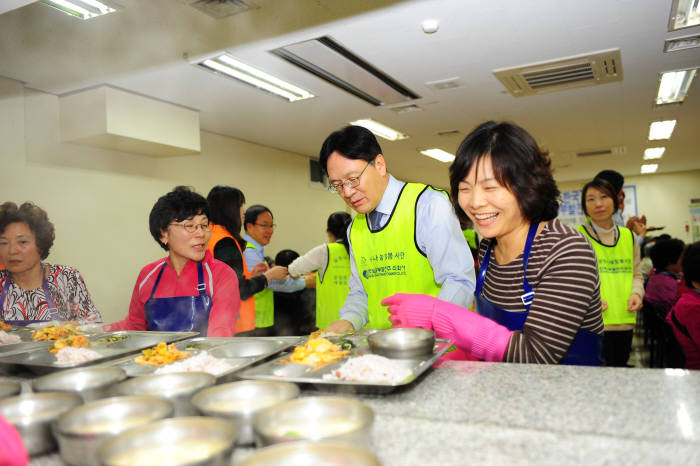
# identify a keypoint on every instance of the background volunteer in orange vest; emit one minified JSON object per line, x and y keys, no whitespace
{"x":357,"y":171}
{"x":259,"y":228}
{"x":226,"y":214}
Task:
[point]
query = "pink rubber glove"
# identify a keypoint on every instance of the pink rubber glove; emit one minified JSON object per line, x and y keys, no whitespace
{"x":475,"y":334}
{"x":12,"y":452}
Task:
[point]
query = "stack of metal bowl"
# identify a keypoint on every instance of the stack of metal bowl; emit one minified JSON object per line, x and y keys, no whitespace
{"x":177,"y":387}
{"x":183,"y":440}
{"x":315,"y":419}
{"x":238,"y":402}
{"x":9,"y":388}
{"x":82,"y":430}
{"x":91,"y":383}
{"x":402,"y":343}
{"x":326,"y":453}
{"x":32,"y":415}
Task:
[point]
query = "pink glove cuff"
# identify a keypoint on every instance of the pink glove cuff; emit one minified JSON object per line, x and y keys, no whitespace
{"x":12,"y":451}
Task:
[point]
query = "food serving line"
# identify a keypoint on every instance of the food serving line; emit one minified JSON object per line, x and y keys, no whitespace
{"x":485,"y":413}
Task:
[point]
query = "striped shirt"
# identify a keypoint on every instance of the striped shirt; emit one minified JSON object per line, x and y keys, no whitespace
{"x":563,"y":272}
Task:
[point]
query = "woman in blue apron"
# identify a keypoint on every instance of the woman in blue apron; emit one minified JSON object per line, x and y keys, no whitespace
{"x":537,"y":291}
{"x":32,"y":291}
{"x":188,"y":290}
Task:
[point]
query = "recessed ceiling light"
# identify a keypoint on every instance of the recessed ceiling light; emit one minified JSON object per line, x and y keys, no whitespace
{"x":682,"y":43}
{"x":649,"y":167}
{"x":379,"y":129}
{"x":661,"y":129}
{"x":674,"y":85}
{"x":439,"y":154}
{"x":238,"y":70}
{"x":654,"y":153}
{"x":83,"y":9}
{"x":684,"y":14}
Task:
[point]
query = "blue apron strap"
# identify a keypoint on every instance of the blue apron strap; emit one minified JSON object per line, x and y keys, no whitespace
{"x":529,"y":295}
{"x":5,"y":286}
{"x":153,"y":291}
{"x":201,"y":287}
{"x":483,"y":268}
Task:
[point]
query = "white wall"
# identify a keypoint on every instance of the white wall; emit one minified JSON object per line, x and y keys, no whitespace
{"x":664,"y":198}
{"x":99,"y":200}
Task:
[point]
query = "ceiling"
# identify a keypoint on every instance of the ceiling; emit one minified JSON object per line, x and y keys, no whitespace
{"x":148,"y":47}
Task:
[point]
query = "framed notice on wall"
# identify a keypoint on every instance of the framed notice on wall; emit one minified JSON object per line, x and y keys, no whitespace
{"x":571,"y":213}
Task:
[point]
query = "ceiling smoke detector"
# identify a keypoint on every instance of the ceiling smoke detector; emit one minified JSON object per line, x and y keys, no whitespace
{"x":443,"y":84}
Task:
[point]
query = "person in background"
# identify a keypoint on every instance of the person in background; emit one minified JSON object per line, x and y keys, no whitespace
{"x":685,"y":314}
{"x":638,"y":225}
{"x":34,"y":291}
{"x":259,"y":228}
{"x":537,"y":289}
{"x":662,"y":288}
{"x":331,"y":262}
{"x":188,"y":290}
{"x":621,"y":282}
{"x":226,"y":213}
{"x":295,"y":313}
{"x":405,"y":236}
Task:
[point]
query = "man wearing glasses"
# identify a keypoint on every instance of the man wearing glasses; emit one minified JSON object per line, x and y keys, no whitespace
{"x":405,"y":237}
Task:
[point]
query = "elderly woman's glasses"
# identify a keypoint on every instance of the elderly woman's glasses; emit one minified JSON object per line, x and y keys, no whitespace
{"x":353,"y":182}
{"x":192,"y":227}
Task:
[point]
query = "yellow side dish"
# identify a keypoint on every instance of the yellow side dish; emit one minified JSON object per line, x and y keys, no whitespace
{"x":161,"y":355}
{"x":77,"y":341}
{"x":55,"y":332}
{"x":4,"y":326}
{"x":317,"y":352}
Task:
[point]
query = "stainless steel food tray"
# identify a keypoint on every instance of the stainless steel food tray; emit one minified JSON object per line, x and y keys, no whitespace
{"x":239,"y":352}
{"x":275,"y":369}
{"x":35,"y":356}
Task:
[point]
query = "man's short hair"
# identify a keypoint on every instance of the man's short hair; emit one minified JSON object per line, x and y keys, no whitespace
{"x":352,"y":142}
{"x":614,"y":178}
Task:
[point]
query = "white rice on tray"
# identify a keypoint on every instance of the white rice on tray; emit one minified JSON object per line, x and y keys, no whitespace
{"x":8,"y":339}
{"x":370,"y":368}
{"x":70,"y":355}
{"x":201,"y":362}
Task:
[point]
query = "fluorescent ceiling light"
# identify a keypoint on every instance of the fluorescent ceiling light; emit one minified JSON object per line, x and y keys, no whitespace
{"x":379,"y":129}
{"x":661,"y":129}
{"x":238,"y":70}
{"x":684,"y":14}
{"x":83,"y":9}
{"x":649,"y":167}
{"x":438,"y":154}
{"x":674,"y":85}
{"x":654,"y":153}
{"x":682,"y":43}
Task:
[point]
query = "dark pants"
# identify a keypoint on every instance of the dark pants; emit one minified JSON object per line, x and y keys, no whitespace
{"x":616,"y":347}
{"x":258,"y":332}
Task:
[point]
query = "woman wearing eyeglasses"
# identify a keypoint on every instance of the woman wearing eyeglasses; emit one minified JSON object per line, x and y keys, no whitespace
{"x":188,"y":290}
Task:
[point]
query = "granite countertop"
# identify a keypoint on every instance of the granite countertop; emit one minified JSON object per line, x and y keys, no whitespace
{"x":494,"y":413}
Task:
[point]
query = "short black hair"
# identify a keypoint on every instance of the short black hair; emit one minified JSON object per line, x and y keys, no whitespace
{"x":253,"y":212}
{"x":225,"y":209}
{"x":285,"y":257}
{"x":518,"y":164}
{"x":36,"y":218}
{"x":352,"y":142}
{"x":614,"y":178}
{"x":666,"y":252}
{"x":179,"y":204}
{"x":602,"y":185}
{"x":691,"y":264}
{"x":338,"y":223}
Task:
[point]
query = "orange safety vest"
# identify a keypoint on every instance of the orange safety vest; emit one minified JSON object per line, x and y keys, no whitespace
{"x":246,"y":318}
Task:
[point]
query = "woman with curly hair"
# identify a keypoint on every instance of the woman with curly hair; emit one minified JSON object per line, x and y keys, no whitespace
{"x":32,"y":290}
{"x":537,"y":290}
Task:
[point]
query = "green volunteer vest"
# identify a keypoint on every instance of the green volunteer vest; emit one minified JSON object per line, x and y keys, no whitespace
{"x":388,"y":261}
{"x":470,"y":236}
{"x":616,"y":270}
{"x":264,"y":304}
{"x":333,"y":289}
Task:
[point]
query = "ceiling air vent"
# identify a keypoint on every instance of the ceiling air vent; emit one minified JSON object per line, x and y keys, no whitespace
{"x":450,"y":132}
{"x":407,"y":109}
{"x":220,"y":8}
{"x":443,"y":84}
{"x":567,"y":73}
{"x":617,"y":150}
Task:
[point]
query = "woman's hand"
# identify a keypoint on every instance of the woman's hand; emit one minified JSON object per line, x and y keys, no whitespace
{"x":339,"y":327}
{"x":635,"y":303}
{"x":310,"y":279}
{"x":276,"y":273}
{"x":604,"y":305}
{"x":411,"y":310}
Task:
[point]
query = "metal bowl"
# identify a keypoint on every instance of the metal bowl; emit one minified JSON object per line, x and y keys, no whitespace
{"x":91,"y":383}
{"x":9,"y":388}
{"x":32,"y":415}
{"x":245,"y":348}
{"x":177,"y":387}
{"x":82,"y":430}
{"x":315,"y":418}
{"x":179,"y":441}
{"x":239,"y":401}
{"x":295,"y":453}
{"x":402,"y":343}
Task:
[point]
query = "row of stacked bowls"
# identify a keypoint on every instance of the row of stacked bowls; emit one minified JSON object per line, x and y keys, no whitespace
{"x":98,"y":417}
